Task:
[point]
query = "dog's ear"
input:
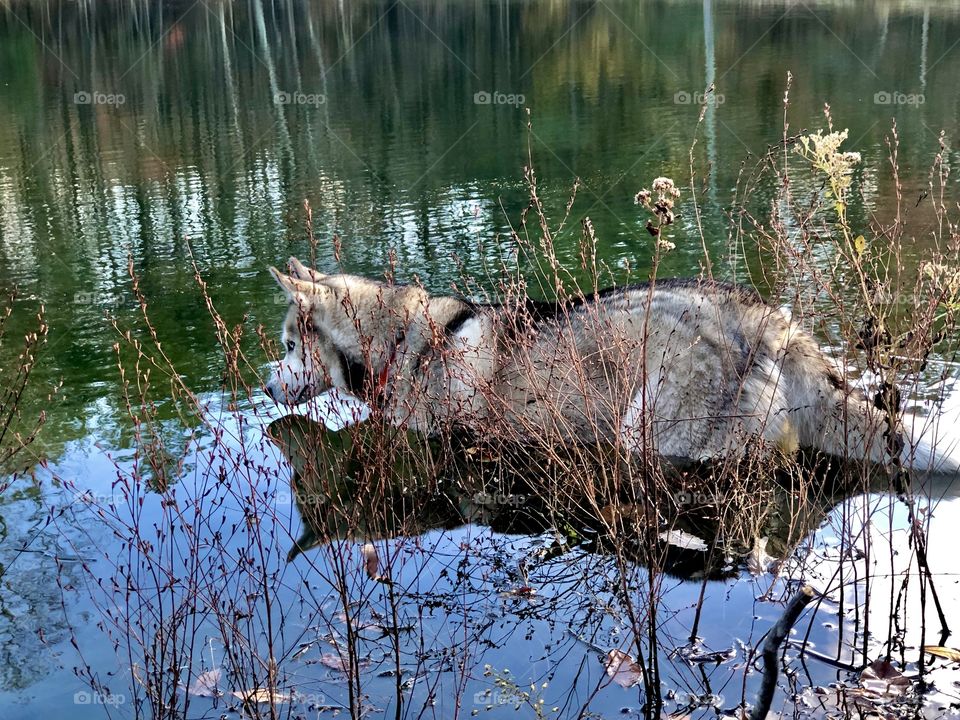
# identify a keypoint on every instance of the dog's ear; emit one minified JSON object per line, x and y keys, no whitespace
{"x":300,"y":291}
{"x":301,"y":272}
{"x":285,"y":281}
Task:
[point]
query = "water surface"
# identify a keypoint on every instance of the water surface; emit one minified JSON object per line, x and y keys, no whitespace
{"x":166,"y":135}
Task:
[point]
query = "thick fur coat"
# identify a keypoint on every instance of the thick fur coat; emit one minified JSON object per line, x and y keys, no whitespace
{"x":689,"y":370}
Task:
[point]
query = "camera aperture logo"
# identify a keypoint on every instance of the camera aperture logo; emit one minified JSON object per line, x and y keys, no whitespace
{"x":95,"y":97}
{"x":483,"y":97}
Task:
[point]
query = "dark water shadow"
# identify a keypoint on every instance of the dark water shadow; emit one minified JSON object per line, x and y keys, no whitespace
{"x":369,"y":483}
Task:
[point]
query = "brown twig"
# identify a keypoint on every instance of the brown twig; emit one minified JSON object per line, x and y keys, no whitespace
{"x":771,"y":648}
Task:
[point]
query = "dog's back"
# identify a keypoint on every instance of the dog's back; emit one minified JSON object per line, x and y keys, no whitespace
{"x":687,"y":369}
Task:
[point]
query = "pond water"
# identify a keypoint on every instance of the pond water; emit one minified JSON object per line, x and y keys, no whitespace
{"x":156,"y":135}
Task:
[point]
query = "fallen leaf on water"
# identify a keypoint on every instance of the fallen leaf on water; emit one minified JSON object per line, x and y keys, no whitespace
{"x":622,"y":669}
{"x":259,"y":695}
{"x":881,"y":678}
{"x":334,"y":662}
{"x":684,"y":540}
{"x":371,"y":561}
{"x":946,"y":653}
{"x":716,"y":656}
{"x":206,"y":684}
{"x":355,"y":621}
{"x":304,"y":648}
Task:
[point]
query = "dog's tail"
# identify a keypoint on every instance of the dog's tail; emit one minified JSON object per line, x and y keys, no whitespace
{"x":932,"y":443}
{"x":830,"y":416}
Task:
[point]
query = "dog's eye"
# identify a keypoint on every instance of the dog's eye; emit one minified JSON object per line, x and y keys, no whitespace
{"x":290,"y":345}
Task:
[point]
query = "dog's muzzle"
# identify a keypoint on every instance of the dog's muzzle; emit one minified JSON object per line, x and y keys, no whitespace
{"x":283,"y":395}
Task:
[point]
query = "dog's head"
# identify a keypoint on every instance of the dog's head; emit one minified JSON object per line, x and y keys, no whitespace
{"x":340,"y":331}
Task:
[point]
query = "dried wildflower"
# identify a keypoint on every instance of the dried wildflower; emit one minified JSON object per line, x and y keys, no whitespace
{"x":664,"y":187}
{"x":659,"y":201}
{"x":945,"y":280}
{"x":823,"y":152}
{"x":662,"y":207}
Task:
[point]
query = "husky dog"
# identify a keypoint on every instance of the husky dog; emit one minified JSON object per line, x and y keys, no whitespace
{"x":690,"y":370}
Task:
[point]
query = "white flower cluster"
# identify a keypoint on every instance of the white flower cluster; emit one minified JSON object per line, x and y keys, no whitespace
{"x":661,"y":206}
{"x":823,"y":152}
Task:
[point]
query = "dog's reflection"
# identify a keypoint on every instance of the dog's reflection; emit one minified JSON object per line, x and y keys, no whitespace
{"x":373,"y":481}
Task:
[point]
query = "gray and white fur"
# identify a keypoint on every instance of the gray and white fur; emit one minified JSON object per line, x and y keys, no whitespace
{"x":688,"y":369}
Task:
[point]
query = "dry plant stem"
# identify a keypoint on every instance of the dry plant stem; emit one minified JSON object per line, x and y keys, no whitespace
{"x":14,"y":378}
{"x":805,"y":651}
{"x":695,"y":628}
{"x":159,"y":622}
{"x":771,"y":649}
{"x":920,"y":545}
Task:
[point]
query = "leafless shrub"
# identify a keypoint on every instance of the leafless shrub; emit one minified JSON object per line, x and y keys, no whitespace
{"x":16,"y":431}
{"x":198,"y":603}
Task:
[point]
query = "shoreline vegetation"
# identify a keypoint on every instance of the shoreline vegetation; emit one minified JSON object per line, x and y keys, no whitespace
{"x":236,"y":559}
{"x":187,"y":580}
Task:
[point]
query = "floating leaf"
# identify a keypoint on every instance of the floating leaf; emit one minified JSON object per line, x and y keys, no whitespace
{"x":334,"y":662}
{"x":951,"y":654}
{"x":622,"y":669}
{"x":684,"y":540}
{"x":304,"y":648}
{"x":522,"y":591}
{"x":206,"y":684}
{"x":881,"y":678}
{"x":259,"y":695}
{"x":716,"y":656}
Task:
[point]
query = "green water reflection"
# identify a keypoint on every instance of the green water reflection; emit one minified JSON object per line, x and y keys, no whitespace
{"x":155,"y":131}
